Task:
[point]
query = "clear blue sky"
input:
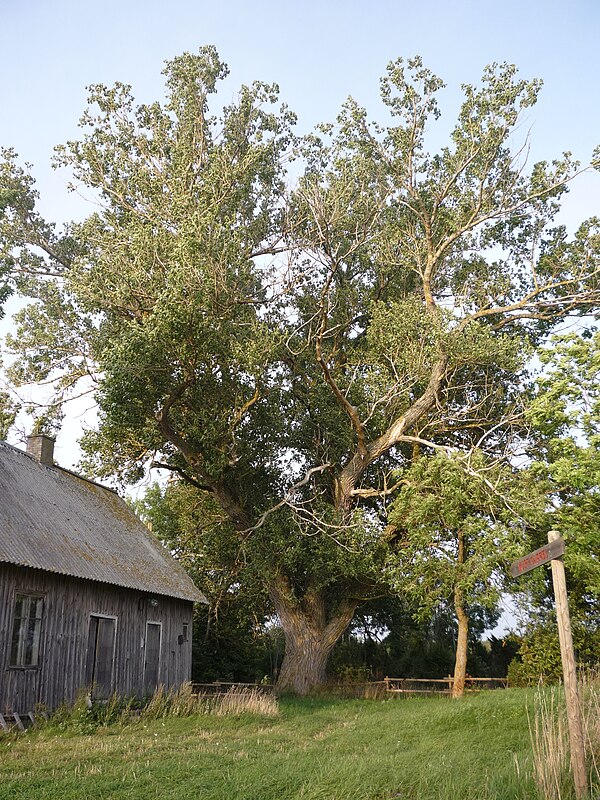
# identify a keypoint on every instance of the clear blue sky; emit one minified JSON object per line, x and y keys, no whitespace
{"x":318,"y":52}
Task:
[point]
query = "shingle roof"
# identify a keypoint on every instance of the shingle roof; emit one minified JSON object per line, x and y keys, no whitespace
{"x":54,"y":520}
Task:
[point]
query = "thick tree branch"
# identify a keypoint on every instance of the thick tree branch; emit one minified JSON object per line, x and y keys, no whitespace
{"x":164,"y":424}
{"x":204,"y":487}
{"x":357,"y":466}
{"x":288,"y":497}
{"x":350,"y":410}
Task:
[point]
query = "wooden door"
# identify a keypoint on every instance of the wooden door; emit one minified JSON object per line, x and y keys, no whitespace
{"x":152,"y":660}
{"x":100,"y":656}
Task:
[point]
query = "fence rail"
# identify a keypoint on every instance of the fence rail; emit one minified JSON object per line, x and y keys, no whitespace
{"x":222,"y":687}
{"x":398,"y":686}
{"x":440,"y":685}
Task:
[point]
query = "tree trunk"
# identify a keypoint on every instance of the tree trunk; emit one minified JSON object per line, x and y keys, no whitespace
{"x":310,"y":635}
{"x":460,"y":664}
{"x":304,"y":665}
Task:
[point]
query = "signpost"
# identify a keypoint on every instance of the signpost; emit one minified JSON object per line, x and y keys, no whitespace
{"x":553,"y":552}
{"x":553,"y":549}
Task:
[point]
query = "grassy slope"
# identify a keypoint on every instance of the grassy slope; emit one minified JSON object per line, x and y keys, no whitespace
{"x":315,"y":750}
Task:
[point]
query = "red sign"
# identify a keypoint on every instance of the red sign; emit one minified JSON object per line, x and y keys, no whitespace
{"x":538,"y":557}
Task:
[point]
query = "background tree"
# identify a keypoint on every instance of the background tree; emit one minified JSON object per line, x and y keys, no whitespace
{"x":389,"y":637}
{"x":565,"y":416}
{"x":291,"y":390}
{"x":231,"y":635}
{"x":29,"y":246}
{"x":8,"y":413}
{"x":458,"y":528}
{"x":565,"y":453}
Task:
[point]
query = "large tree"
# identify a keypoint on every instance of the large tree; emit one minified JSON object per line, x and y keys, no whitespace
{"x":286,"y":354}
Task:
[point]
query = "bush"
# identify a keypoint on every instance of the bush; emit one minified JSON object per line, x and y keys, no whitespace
{"x":353,"y":674}
{"x":85,"y":717}
{"x":538,"y":659}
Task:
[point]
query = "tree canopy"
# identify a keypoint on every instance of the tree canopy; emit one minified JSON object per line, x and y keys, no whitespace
{"x":287,"y":350}
{"x":565,"y":461}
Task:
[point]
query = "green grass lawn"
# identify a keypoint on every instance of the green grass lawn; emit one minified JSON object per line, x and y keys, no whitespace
{"x":414,"y":749}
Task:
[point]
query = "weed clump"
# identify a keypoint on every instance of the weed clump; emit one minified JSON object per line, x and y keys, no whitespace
{"x":550,"y":739}
{"x":85,"y":717}
{"x":244,"y":701}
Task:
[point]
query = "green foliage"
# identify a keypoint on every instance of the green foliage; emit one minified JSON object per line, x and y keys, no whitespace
{"x":410,"y":649}
{"x":348,"y":674}
{"x":8,"y":413}
{"x":538,"y":659}
{"x":538,"y":656}
{"x":84,"y":718}
{"x":565,"y":452}
{"x":458,"y":525}
{"x":230,"y":639}
{"x":389,"y":638}
{"x":283,"y":351}
{"x":29,"y":246}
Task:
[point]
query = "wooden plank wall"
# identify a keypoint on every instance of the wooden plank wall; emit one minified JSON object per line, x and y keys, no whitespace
{"x":68,"y":604}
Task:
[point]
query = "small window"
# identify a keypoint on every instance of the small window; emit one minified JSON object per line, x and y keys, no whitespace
{"x":183,"y":636}
{"x":27,"y":628}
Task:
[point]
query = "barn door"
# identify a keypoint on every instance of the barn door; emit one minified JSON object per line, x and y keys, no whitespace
{"x":152,"y":662}
{"x":100,"y":656}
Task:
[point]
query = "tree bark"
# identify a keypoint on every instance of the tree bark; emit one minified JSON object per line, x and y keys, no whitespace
{"x":310,"y":636}
{"x":460,"y":664}
{"x":356,"y":467}
{"x":462,"y":643}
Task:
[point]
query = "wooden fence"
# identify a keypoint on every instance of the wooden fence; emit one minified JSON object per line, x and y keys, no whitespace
{"x":372,"y":689}
{"x":440,"y":685}
{"x":222,"y":687}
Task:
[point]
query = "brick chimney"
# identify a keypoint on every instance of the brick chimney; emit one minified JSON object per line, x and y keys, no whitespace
{"x":41,"y":447}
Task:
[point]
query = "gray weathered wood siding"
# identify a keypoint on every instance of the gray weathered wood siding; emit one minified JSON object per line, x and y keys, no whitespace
{"x":68,"y":605}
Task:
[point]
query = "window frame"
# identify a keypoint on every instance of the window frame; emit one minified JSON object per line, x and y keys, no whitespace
{"x":17,"y":651}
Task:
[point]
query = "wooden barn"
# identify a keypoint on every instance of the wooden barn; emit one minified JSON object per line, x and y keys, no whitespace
{"x":88,"y":597}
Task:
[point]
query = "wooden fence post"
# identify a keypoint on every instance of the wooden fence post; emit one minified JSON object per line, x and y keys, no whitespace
{"x":569,"y":674}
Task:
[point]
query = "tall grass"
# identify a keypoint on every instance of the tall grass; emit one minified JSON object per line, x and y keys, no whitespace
{"x":83,"y":717}
{"x":591,"y":723}
{"x":550,"y":745}
{"x":183,"y":702}
{"x":244,"y":701}
{"x":550,"y":739}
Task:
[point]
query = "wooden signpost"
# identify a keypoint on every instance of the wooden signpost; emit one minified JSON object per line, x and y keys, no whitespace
{"x":553,"y":552}
{"x":554,"y":549}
